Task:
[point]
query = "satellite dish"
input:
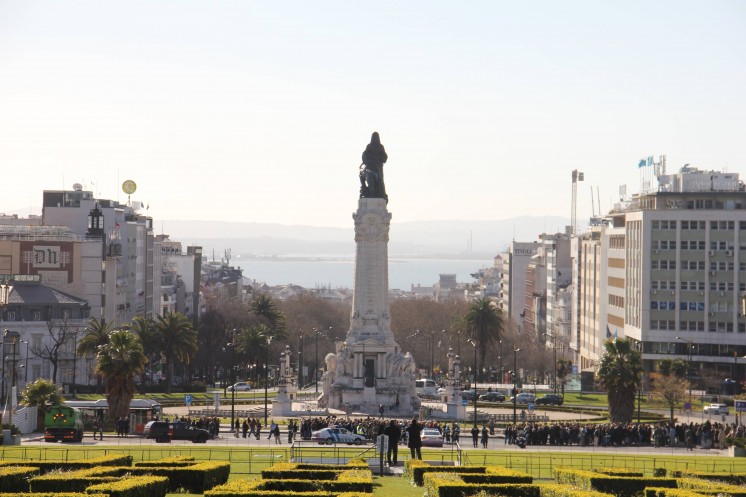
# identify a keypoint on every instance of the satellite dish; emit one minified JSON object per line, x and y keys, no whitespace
{"x":129,"y":187}
{"x":77,"y":187}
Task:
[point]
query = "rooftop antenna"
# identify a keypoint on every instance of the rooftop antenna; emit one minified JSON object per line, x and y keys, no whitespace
{"x":576,"y":176}
{"x":598,"y":199}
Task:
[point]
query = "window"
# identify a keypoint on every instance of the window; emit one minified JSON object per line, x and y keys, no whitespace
{"x":36,"y":316}
{"x":11,"y":316}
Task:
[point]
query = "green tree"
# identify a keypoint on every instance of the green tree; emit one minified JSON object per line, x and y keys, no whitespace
{"x":619,"y":372}
{"x":253,"y":343}
{"x":564,"y":368}
{"x":151,"y":341}
{"x":41,"y":394}
{"x":179,"y":340}
{"x":119,"y":362}
{"x":95,"y":335}
{"x":484,"y":323}
{"x":264,"y":308}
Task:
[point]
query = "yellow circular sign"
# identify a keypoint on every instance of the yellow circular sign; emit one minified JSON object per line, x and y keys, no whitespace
{"x":129,"y":187}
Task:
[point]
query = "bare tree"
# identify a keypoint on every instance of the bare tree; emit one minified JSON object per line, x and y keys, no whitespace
{"x":60,"y":333}
{"x":671,"y":389}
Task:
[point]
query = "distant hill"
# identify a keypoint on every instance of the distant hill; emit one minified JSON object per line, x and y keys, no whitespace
{"x":458,"y":238}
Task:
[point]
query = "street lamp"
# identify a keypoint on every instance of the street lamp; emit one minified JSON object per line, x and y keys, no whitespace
{"x":75,"y":359}
{"x":232,"y":345}
{"x":300,"y":372}
{"x":25,"y":380}
{"x":515,"y":382}
{"x":639,"y":389}
{"x":266,"y":379}
{"x":554,"y":355}
{"x":474,"y":344}
{"x":688,"y":367}
{"x":12,"y":376}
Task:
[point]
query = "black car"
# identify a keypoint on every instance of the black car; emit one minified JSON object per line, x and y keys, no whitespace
{"x":162,"y":431}
{"x":492,"y":397}
{"x":550,"y":399}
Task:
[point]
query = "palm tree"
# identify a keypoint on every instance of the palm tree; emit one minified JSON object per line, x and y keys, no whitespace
{"x":484,"y":323}
{"x":252,"y":341}
{"x":151,"y":341}
{"x":264,"y":307}
{"x":119,"y":361}
{"x":179,"y":341}
{"x":619,"y":372}
{"x":41,"y":394}
{"x":95,"y":335}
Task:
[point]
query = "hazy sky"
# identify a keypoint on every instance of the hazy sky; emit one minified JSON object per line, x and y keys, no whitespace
{"x":259,"y":111}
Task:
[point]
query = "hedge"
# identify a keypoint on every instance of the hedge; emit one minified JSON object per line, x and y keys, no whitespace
{"x":66,"y":482}
{"x":557,"y":490}
{"x":195,"y":478}
{"x":47,"y":466}
{"x":168,"y":461}
{"x":669,"y":492}
{"x":617,"y":485}
{"x":56,"y":494}
{"x":711,"y":488}
{"x":732,"y":478}
{"x":15,"y":478}
{"x":497,"y":475}
{"x":251,"y":488}
{"x":135,"y":486}
{"x":415,"y":469}
{"x":619,"y":472}
{"x":452,"y":485}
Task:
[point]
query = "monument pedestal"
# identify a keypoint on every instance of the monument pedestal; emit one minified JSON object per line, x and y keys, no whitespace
{"x":369,"y":369}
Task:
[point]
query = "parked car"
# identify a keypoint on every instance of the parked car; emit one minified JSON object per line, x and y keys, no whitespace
{"x":524,"y":398}
{"x":550,"y":399}
{"x":241,"y":386}
{"x":492,"y":397}
{"x":716,"y":409}
{"x":330,"y":436}
{"x":431,"y":438}
{"x":162,"y":431}
{"x":467,"y":395}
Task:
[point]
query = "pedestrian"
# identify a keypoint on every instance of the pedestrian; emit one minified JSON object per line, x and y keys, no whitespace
{"x":258,"y":429}
{"x":394,"y":433}
{"x":415,"y":441}
{"x":236,"y":427}
{"x":276,"y":433}
{"x":96,"y":425}
{"x":290,"y":432}
{"x":245,"y":427}
{"x":272,"y":427}
{"x":475,"y":436}
{"x":485,"y":437}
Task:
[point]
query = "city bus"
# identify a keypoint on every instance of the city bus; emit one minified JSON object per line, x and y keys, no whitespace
{"x":141,"y":411}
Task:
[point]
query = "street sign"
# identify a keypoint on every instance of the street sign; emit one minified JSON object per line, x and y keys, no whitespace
{"x":687,"y":406}
{"x":464,"y":402}
{"x":188,"y":400}
{"x":740,"y":405}
{"x":531,"y":407}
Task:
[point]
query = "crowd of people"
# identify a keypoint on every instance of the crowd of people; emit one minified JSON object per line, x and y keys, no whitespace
{"x":407,"y":432}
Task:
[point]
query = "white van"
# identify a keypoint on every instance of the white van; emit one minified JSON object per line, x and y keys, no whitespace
{"x":524,"y":398}
{"x":426,"y":387}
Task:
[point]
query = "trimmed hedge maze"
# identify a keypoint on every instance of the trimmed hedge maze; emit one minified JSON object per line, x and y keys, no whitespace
{"x":453,"y":481}
{"x":303,"y":480}
{"x":112,"y":476}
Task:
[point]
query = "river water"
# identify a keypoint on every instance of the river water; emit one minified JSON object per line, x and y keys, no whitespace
{"x":338,"y":271}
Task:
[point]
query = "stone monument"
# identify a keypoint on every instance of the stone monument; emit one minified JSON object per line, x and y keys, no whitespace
{"x":282,"y":405}
{"x":369,"y":369}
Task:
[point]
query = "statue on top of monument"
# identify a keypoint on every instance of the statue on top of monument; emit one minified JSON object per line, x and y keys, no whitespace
{"x":371,"y":170}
